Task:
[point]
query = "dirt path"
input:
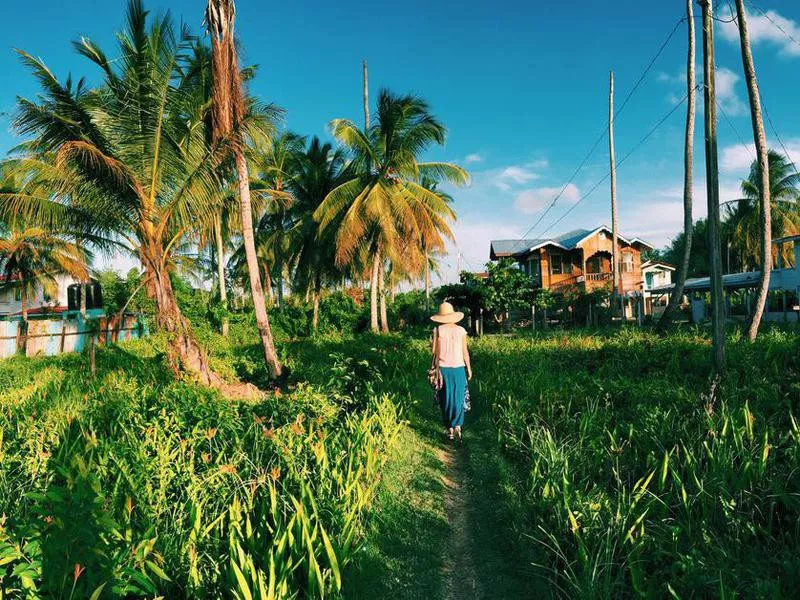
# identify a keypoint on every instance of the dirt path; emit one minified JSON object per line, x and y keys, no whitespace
{"x":461,"y":581}
{"x":475,"y":565}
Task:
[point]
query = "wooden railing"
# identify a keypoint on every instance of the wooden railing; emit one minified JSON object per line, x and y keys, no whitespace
{"x":565,"y":283}
{"x":599,"y":276}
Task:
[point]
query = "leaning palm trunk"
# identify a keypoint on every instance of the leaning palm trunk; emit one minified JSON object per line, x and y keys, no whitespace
{"x":688,"y":160}
{"x":228,"y":108}
{"x":373,"y":291}
{"x":183,"y":351}
{"x":763,"y":163}
{"x":259,"y":302}
{"x":223,"y":292}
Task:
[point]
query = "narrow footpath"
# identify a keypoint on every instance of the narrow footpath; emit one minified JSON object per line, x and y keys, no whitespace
{"x":439,"y":532}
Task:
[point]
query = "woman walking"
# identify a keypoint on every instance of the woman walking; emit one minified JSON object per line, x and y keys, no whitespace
{"x":451,"y":366}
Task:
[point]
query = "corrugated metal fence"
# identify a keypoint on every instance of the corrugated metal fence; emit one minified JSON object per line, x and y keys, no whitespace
{"x":47,"y":337}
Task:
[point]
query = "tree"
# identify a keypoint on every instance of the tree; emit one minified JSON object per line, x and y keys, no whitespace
{"x":763,"y":170}
{"x":124,"y":164}
{"x":382,"y":206}
{"x":688,"y":167}
{"x":315,"y":173}
{"x":228,"y":115}
{"x":508,"y":289}
{"x":743,"y":215}
{"x":30,"y":260}
{"x":699,"y":259}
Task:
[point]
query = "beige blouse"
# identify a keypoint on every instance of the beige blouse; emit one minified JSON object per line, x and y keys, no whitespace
{"x":451,"y":346}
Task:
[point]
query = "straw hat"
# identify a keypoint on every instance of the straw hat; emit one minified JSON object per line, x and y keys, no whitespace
{"x":446,"y":314}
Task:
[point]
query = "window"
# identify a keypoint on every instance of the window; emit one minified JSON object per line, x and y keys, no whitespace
{"x":556,"y":264}
{"x":627,"y":262}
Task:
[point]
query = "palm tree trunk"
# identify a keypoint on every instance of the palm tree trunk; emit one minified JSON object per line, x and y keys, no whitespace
{"x":373,"y":292}
{"x":262,"y":319}
{"x":688,"y":164}
{"x":268,"y":282}
{"x":317,"y":293}
{"x":427,"y":282}
{"x":382,"y":297}
{"x":763,"y":162}
{"x":223,"y":292}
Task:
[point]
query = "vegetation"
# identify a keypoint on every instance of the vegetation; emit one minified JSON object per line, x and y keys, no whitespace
{"x":207,"y":461}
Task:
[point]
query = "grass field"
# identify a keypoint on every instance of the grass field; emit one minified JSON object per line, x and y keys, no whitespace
{"x":596,"y":466}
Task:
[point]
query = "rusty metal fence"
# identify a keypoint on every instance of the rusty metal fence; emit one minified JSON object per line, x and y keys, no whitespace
{"x":47,"y":337}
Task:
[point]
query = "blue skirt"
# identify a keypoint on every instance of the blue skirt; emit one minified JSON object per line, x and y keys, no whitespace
{"x":452,"y":395}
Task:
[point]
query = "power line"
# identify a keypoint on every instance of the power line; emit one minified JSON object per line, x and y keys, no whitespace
{"x":771,"y":20}
{"x":777,"y":135}
{"x":624,"y":158}
{"x":733,"y":128}
{"x":604,"y":131}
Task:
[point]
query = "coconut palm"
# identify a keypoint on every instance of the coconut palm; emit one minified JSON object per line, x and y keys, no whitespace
{"x":30,"y":260}
{"x":316,"y":172}
{"x":128,"y":162}
{"x":743,"y":215}
{"x":383,"y":203}
{"x":228,"y":116}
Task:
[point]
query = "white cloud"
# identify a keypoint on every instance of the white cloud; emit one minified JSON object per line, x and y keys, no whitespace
{"x":769,"y":27}
{"x":727,"y":97}
{"x":518,"y":174}
{"x":727,"y":86}
{"x":738,"y":157}
{"x":473,"y":158}
{"x":535,"y":199}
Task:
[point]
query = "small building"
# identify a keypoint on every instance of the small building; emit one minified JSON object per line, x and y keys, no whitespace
{"x":784,"y":280}
{"x":656,"y":274}
{"x":67,"y":297}
{"x":580,"y":258}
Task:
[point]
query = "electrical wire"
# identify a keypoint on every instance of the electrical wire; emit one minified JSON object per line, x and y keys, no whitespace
{"x":604,"y":132}
{"x":620,"y":162}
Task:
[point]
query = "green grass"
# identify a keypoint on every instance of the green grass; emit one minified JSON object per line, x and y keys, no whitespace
{"x":595,"y":465}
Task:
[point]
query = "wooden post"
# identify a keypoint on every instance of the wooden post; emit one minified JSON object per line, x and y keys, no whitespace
{"x":615,"y":298}
{"x":762,"y":151}
{"x":63,"y":335}
{"x":712,"y":185}
{"x":92,"y":358}
{"x":533,"y":318}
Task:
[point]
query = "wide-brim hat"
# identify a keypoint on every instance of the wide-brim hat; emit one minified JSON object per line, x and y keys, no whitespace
{"x":446,"y":314}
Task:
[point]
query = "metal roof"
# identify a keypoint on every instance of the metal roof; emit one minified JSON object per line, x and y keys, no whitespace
{"x":732,"y":281}
{"x":565,"y":241}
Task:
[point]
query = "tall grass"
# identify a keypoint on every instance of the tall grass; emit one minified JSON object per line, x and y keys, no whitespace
{"x":638,"y":475}
{"x":135,"y":485}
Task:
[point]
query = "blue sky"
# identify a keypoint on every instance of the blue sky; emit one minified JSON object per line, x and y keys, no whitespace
{"x":522,"y":89}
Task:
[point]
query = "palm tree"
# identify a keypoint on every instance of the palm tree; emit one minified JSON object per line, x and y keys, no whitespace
{"x":688,"y":167}
{"x":228,"y":116}
{"x":30,"y":260}
{"x":383,"y":203}
{"x":316,"y":172}
{"x":127,"y":163}
{"x":743,"y":214}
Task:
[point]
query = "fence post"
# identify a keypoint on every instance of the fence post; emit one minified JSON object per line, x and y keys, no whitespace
{"x":63,"y":335}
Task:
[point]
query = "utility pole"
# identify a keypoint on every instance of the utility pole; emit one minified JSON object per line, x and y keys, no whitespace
{"x":760,"y":138}
{"x":614,"y":233}
{"x":712,"y":192}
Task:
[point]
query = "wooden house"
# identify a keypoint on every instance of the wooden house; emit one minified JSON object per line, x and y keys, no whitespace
{"x":580,"y":258}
